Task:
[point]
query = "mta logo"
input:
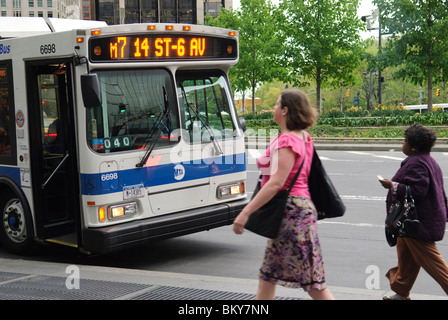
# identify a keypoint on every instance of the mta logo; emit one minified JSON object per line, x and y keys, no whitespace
{"x":179,"y":172}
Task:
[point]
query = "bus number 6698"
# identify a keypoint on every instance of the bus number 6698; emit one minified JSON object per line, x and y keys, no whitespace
{"x":47,"y":48}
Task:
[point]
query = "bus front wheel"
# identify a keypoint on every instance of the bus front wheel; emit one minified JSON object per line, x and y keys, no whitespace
{"x":14,"y":234}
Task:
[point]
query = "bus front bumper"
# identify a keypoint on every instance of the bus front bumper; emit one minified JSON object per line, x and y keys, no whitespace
{"x":128,"y":234}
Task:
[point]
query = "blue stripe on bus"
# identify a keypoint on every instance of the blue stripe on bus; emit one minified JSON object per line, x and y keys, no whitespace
{"x":11,"y":172}
{"x":110,"y":182}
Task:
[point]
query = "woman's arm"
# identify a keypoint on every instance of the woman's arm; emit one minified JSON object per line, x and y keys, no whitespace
{"x":285,"y":159}
{"x":417,"y":177}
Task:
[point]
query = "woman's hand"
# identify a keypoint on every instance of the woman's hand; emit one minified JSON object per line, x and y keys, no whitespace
{"x":386,"y":183}
{"x":239,"y":222}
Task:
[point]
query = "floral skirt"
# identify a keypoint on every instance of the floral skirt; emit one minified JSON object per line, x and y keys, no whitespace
{"x":294,"y":258}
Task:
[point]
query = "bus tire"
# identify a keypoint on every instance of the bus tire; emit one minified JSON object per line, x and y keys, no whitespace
{"x":15,"y":232}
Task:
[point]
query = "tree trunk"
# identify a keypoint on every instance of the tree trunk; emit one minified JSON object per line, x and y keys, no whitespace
{"x":341,"y":98}
{"x":429,"y":91}
{"x":318,"y":91}
{"x":254,"y":107}
{"x":253,"y":83}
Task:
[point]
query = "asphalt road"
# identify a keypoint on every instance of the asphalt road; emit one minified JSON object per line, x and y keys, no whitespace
{"x":354,"y":246}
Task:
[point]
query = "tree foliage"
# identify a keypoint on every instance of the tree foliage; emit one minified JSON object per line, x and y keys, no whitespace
{"x":323,"y":41}
{"x":295,"y":42}
{"x":418,"y":41}
{"x":258,"y":43}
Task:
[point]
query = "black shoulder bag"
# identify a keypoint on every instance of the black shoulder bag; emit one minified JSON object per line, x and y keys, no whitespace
{"x":266,"y":221}
{"x":326,"y":199}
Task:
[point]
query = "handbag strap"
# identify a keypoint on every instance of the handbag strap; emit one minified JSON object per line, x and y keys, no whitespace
{"x":408,"y":194}
{"x":298,"y":171}
{"x":296,"y":176}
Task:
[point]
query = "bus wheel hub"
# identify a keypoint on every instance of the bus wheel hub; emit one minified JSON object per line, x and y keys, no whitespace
{"x":13,"y":221}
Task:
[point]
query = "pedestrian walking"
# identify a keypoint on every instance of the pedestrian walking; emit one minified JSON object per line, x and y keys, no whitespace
{"x":423,"y":175}
{"x":294,"y":258}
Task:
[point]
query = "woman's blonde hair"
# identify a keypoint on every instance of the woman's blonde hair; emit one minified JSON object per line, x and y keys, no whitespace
{"x":301,"y":115}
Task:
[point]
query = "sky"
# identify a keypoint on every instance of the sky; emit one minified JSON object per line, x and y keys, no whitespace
{"x":365,"y":9}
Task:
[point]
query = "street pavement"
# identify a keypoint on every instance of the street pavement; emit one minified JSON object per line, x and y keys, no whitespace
{"x":35,"y":280}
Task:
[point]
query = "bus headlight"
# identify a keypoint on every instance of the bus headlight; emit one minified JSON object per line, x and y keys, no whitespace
{"x":124,"y":209}
{"x":230,"y":190}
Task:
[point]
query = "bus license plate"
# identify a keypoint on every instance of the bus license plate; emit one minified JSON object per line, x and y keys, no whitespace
{"x":135,"y":191}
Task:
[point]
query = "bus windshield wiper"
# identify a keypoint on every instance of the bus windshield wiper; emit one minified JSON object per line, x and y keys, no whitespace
{"x":157,"y":125}
{"x":203,"y":121}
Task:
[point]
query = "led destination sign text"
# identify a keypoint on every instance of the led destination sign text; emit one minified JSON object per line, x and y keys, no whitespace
{"x":162,"y":47}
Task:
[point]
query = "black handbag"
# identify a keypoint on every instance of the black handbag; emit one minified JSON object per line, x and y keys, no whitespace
{"x":401,"y":219}
{"x":326,"y":199}
{"x":266,"y":221}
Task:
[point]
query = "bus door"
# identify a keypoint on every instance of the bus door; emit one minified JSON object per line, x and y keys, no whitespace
{"x":53,"y":153}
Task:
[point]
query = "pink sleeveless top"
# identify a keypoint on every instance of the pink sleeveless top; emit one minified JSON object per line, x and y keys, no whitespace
{"x":300,"y":148}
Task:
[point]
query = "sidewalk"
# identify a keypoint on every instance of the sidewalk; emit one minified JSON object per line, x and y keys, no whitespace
{"x":34,"y":280}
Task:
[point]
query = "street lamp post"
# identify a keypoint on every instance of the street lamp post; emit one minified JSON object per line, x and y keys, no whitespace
{"x":368,"y":19}
{"x":380,"y":78}
{"x":369,"y":100}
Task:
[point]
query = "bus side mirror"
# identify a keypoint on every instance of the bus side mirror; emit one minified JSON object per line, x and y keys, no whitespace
{"x":242,"y":124}
{"x":90,"y":87}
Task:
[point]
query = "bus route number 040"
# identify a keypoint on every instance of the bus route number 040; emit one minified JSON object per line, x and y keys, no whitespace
{"x":117,"y":142}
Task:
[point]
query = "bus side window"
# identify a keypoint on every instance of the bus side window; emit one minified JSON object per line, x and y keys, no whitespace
{"x":5,"y":148}
{"x":54,"y":141}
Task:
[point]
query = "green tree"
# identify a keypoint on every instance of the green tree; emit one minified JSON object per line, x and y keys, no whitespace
{"x":323,"y":41}
{"x":269,"y":93}
{"x":258,"y":43}
{"x":419,"y":40}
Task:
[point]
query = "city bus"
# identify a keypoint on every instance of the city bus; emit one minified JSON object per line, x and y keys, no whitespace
{"x":421,"y":108}
{"x":116,"y":136}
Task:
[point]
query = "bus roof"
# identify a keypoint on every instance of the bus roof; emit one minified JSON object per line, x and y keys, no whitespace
{"x":13,"y":27}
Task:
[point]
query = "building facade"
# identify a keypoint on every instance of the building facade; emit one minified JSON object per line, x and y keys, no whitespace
{"x":168,"y":11}
{"x":116,"y":11}
{"x":71,"y":9}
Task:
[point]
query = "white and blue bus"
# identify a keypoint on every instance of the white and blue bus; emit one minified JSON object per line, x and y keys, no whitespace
{"x":114,"y":136}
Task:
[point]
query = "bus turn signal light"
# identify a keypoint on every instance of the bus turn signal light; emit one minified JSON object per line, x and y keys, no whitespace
{"x":101,"y":214}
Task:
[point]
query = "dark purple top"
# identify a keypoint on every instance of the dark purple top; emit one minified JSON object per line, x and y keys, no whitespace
{"x":422,"y":173}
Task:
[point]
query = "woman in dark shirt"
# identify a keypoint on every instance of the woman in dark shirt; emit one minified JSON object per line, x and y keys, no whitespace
{"x":423,"y":175}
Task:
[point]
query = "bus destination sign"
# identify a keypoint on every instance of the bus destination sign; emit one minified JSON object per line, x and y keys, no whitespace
{"x":158,"y":47}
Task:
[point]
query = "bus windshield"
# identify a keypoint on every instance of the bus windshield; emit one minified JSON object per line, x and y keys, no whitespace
{"x":139,"y":108}
{"x":134,"y":116}
{"x":206,"y":101}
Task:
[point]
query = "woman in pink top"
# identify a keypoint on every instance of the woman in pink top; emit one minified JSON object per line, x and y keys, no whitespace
{"x":294,"y":258}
